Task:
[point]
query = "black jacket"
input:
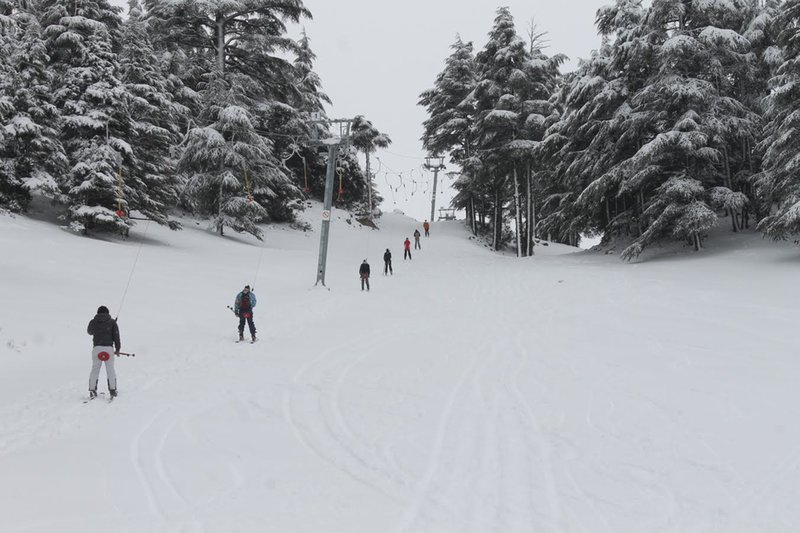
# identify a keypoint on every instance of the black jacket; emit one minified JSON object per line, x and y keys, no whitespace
{"x":364,"y":269}
{"x":105,"y":331}
{"x":387,"y":256}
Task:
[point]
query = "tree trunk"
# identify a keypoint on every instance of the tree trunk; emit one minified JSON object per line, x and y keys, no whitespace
{"x":473,"y":220}
{"x":531,"y":214}
{"x":220,"y":43}
{"x":518,"y":214}
{"x":728,"y":177}
{"x":497,"y":222}
{"x":369,"y":188}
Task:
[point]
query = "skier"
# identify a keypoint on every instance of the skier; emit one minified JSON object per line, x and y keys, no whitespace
{"x":417,"y":235}
{"x":427,"y":228}
{"x":407,"y":249}
{"x":363,"y":271}
{"x":243,"y":307}
{"x":387,"y":263}
{"x":105,"y":337}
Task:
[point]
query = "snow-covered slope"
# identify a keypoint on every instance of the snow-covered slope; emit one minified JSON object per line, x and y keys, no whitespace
{"x":470,"y":391}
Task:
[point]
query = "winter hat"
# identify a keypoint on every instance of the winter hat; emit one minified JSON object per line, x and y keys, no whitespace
{"x":102,"y":310}
{"x":247,"y":287}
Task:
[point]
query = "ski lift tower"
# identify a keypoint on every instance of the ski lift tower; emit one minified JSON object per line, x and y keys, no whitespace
{"x":435,"y":163}
{"x":334,"y":142}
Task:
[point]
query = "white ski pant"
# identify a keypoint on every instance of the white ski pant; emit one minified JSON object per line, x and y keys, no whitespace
{"x":97,"y":363}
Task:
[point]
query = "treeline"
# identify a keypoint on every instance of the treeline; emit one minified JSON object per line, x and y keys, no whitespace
{"x":206,"y":106}
{"x":687,"y":114}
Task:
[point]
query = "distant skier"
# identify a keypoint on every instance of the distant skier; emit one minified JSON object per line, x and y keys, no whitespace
{"x":427,"y":228}
{"x":417,"y":245}
{"x":363,"y":272}
{"x":387,"y":263}
{"x":407,"y":249}
{"x":105,"y":337}
{"x":243,"y":307}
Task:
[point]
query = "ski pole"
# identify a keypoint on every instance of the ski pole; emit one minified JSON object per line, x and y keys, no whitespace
{"x":126,"y":354}
{"x":232,"y":309}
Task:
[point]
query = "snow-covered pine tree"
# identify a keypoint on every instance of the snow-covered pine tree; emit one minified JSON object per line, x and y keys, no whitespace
{"x":33,"y":148}
{"x":684,"y":119}
{"x":307,"y":164}
{"x":156,"y":123}
{"x":82,"y":40}
{"x":366,"y":138}
{"x":579,"y":147}
{"x":240,"y":36}
{"x":631,"y":52}
{"x":778,"y":184}
{"x":533,"y":88}
{"x":450,"y":118}
{"x":241,"y":44}
{"x":13,"y":194}
{"x":497,"y":114}
{"x":512,"y":113}
{"x":292,"y":123}
{"x":230,"y":166}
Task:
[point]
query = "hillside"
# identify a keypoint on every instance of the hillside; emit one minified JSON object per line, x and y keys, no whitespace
{"x":468,"y":392}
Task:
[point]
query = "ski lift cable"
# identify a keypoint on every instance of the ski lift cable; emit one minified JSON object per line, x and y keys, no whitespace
{"x":133,"y":268}
{"x":258,"y":265}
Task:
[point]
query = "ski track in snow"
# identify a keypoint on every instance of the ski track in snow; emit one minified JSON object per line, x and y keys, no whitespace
{"x":528,"y":395}
{"x":312,"y":406}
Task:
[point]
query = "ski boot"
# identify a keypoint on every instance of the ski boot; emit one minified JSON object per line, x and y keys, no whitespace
{"x":92,"y":394}
{"x":113,"y":393}
{"x":241,"y":337}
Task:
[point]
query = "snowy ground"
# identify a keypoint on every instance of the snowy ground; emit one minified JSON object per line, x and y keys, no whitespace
{"x":469,"y":392}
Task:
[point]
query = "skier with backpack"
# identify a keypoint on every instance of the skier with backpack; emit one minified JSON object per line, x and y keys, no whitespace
{"x":243,"y":308}
{"x":105,"y":337}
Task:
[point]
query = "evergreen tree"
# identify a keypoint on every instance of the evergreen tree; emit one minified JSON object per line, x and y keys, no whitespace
{"x":512,"y":113}
{"x":451,"y":117}
{"x":241,"y":47}
{"x":82,"y":38}
{"x":12,"y":192}
{"x":498,"y":64}
{"x":778,"y":184}
{"x":240,"y":36}
{"x":579,"y":147}
{"x":366,"y":138}
{"x":156,"y":120}
{"x":231,"y":167}
{"x":692,"y":119}
{"x":34,"y":145}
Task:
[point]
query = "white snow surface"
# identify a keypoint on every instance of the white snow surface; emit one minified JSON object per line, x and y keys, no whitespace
{"x":469,"y":392}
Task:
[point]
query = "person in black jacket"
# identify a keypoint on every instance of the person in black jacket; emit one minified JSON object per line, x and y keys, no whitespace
{"x":105,"y":335}
{"x":363,"y":271}
{"x":387,"y":263}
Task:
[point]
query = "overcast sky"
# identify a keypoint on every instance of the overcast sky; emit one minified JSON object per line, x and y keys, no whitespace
{"x":376,"y":56}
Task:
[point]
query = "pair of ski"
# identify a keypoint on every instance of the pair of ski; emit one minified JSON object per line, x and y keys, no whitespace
{"x":244,"y":340}
{"x":90,"y":398}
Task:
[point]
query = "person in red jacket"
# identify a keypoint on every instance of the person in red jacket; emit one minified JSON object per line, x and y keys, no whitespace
{"x":407,"y":248}
{"x":427,"y":227}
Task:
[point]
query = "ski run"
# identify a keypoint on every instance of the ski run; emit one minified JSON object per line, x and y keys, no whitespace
{"x":470,"y":391}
